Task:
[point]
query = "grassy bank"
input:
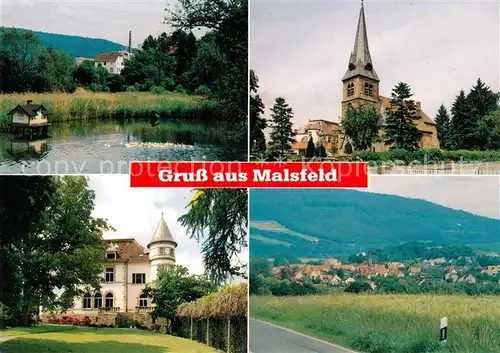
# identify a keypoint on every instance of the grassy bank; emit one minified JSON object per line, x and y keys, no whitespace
{"x":49,"y":339}
{"x":389,"y":323}
{"x":89,"y":105}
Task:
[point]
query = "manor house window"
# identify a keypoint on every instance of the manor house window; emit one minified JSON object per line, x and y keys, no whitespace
{"x":138,"y":278}
{"x":97,"y":301}
{"x":110,"y":274}
{"x":143,"y":300}
{"x":87,"y":300}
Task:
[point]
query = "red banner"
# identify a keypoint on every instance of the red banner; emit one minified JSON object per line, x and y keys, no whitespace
{"x":249,"y":174}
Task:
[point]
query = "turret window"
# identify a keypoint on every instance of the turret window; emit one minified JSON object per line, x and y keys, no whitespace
{"x":368,"y":89}
{"x":162,"y":251}
{"x":171,"y":252}
{"x":350,"y":89}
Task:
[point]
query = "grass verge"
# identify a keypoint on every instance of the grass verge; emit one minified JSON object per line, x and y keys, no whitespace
{"x":389,"y":323}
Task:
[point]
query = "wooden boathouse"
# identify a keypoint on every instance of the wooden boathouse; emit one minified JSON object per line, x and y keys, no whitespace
{"x":29,"y":121}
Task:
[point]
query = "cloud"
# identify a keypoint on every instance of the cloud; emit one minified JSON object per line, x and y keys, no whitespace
{"x":135,"y":213}
{"x":479,"y":195}
{"x":300,"y":50}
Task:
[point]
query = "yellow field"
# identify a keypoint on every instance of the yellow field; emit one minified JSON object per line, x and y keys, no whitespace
{"x":389,"y":323}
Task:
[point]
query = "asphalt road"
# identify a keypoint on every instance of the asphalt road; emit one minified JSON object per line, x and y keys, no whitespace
{"x":269,"y":338}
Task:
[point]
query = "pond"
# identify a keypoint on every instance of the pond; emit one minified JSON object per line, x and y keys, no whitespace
{"x":93,"y":147}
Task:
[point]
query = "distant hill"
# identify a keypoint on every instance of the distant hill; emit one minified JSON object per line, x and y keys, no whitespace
{"x":324,"y":223}
{"x":76,"y":46}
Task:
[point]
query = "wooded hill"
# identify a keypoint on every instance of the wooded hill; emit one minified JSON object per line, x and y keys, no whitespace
{"x":76,"y":46}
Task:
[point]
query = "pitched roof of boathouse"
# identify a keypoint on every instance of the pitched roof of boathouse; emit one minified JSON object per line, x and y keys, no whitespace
{"x":30,"y":109}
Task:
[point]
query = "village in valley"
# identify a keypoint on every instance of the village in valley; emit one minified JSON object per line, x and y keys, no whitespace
{"x":432,"y":272}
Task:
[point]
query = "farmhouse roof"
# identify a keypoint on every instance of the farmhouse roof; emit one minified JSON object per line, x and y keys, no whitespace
{"x":108,"y":57}
{"x":29,"y":109}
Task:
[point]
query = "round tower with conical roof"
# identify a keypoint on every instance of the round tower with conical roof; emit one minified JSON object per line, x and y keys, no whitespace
{"x":161,"y":248}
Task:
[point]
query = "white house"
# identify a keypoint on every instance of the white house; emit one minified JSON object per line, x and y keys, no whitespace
{"x":128,"y":268}
{"x":114,"y":62}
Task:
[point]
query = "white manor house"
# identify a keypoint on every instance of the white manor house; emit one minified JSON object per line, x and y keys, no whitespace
{"x":128,"y":268}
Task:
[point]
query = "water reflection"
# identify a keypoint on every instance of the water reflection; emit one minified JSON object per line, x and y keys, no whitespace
{"x":88,"y":144}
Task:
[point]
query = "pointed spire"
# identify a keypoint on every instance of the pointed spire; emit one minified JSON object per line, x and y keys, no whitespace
{"x":162,"y":233}
{"x":360,"y":62}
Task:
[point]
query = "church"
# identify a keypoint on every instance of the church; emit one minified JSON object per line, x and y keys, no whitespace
{"x":127,"y":268}
{"x":360,"y":87}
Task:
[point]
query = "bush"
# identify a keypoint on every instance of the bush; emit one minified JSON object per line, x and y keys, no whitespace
{"x":155,"y":327}
{"x":5,"y":315}
{"x":131,"y":89}
{"x":203,"y":91}
{"x":158,"y":90}
{"x":180,"y":89}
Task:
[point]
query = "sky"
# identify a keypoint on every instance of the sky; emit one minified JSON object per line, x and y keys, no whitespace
{"x":479,"y":195}
{"x":300,"y":50}
{"x":135,"y":213}
{"x":105,"y":19}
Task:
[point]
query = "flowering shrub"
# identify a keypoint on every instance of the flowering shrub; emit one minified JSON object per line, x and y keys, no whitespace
{"x":70,"y":321}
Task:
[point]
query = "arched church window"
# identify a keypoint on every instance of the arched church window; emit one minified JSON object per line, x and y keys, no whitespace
{"x":368,"y":89}
{"x":87,"y":300}
{"x":97,"y":300}
{"x":350,"y":89}
{"x":109,"y":300}
{"x":143,"y":300}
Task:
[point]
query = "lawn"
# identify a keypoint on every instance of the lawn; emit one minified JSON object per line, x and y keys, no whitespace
{"x":65,"y":339}
{"x":389,"y":323}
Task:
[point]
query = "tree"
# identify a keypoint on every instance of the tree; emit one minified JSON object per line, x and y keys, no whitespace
{"x":62,"y":247}
{"x":281,"y":124}
{"x":461,"y":126}
{"x":310,"y":149}
{"x":488,"y":130}
{"x":443,"y":126}
{"x":320,"y":151}
{"x":174,"y":287}
{"x":400,"y":130}
{"x":85,"y":73}
{"x":362,"y":126}
{"x":228,"y":20}
{"x":257,"y":122}
{"x":481,"y":101}
{"x":219,"y":216}
{"x":358,"y":286}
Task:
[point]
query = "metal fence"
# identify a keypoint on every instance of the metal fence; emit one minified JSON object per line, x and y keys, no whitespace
{"x":227,"y":335}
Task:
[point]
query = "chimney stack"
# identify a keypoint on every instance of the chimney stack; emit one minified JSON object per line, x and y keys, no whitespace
{"x":130,"y":42}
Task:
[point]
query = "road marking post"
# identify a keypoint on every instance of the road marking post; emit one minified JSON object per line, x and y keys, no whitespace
{"x":443,"y":330}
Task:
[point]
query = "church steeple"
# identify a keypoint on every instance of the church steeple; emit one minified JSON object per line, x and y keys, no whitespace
{"x":360,"y":62}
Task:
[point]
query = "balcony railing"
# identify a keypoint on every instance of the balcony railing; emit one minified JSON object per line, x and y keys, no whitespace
{"x":144,"y":309}
{"x":113,"y":309}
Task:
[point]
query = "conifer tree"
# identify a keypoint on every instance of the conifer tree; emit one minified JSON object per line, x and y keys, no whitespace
{"x":311,"y":149}
{"x":400,"y":130}
{"x":443,"y":126}
{"x":281,"y":123}
{"x":257,"y":122}
{"x":461,"y":126}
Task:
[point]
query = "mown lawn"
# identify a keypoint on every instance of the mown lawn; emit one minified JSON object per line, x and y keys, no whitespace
{"x":64,"y":339}
{"x":389,"y":323}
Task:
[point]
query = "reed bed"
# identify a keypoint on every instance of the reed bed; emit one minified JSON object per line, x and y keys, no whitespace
{"x":389,"y":323}
{"x":83,"y":105}
{"x":228,"y":302}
